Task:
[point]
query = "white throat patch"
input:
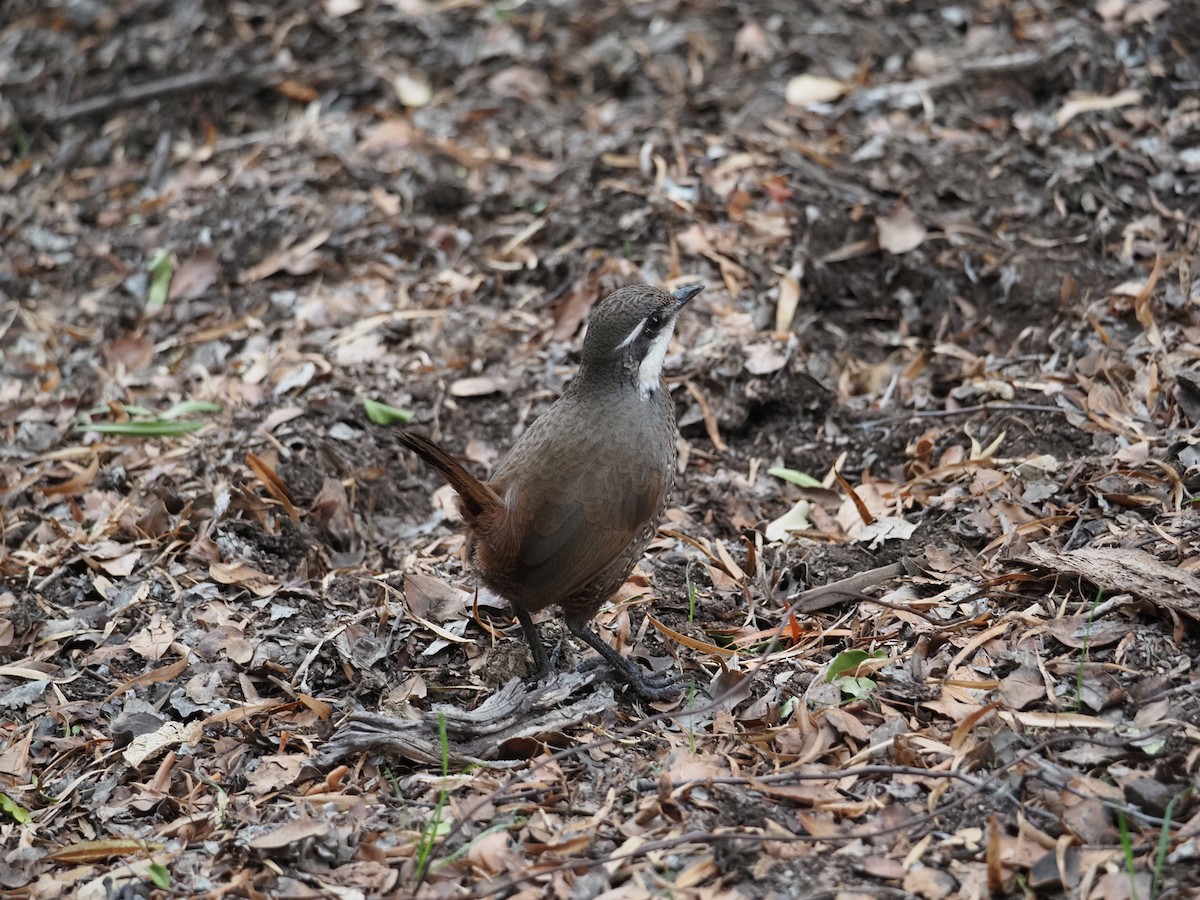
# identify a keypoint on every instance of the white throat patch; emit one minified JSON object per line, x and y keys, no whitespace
{"x":650,"y":371}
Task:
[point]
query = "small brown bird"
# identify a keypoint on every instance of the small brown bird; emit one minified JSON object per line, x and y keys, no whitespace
{"x":574,"y":505}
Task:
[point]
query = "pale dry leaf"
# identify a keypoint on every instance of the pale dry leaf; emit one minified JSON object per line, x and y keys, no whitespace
{"x":295,"y":259}
{"x":412,"y":90}
{"x":481,"y":386}
{"x":764,"y":357}
{"x":519,"y":83}
{"x":900,"y":231}
{"x":795,"y":519}
{"x":432,"y":598}
{"x":803,"y":90}
{"x":752,"y":41}
{"x":385,"y":201}
{"x":386,"y":137}
{"x":154,"y":640}
{"x":788,"y":302}
{"x":1134,"y":455}
{"x":131,"y":351}
{"x":171,"y":734}
{"x":1083,"y":103}
{"x":121,"y":566}
{"x":336,"y":9}
{"x":1021,"y":687}
{"x":290,"y":833}
{"x":245,"y":576}
{"x":275,"y":771}
{"x":494,"y":854}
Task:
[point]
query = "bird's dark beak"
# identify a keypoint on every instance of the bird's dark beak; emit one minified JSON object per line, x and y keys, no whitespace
{"x":685,"y":293}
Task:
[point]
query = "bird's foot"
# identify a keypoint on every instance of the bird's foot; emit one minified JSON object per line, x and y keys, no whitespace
{"x":648,"y":686}
{"x":658,"y":685}
{"x":653,"y":686}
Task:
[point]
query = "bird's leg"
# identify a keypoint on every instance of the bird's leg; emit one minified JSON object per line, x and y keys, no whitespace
{"x":658,"y":686}
{"x":543,"y":667}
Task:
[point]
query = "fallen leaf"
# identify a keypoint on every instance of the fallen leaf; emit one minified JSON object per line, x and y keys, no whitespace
{"x":171,"y":734}
{"x":764,"y":357}
{"x":1081,"y":103}
{"x":900,"y":231}
{"x":795,"y":519}
{"x":755,"y":42}
{"x":803,"y":90}
{"x":413,"y":91}
{"x":519,"y":83}
{"x":195,"y":275}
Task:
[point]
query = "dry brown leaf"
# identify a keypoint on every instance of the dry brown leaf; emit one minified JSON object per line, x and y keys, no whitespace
{"x":195,"y":275}
{"x":689,"y":642}
{"x":291,"y":259}
{"x":95,"y":851}
{"x":245,"y":576}
{"x":290,"y":834}
{"x":154,"y":640}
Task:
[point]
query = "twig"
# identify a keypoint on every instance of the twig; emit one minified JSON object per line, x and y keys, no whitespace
{"x":961,"y":411}
{"x":1007,"y":64}
{"x":854,"y":586}
{"x":172,"y":84}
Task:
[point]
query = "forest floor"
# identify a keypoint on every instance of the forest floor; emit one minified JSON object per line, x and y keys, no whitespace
{"x":951,"y":256}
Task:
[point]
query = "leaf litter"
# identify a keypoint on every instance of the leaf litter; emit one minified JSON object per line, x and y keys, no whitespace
{"x":951,"y":257}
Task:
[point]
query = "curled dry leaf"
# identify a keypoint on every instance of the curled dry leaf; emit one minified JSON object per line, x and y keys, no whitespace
{"x":387,"y":137}
{"x":789,"y":300}
{"x":239,"y":573}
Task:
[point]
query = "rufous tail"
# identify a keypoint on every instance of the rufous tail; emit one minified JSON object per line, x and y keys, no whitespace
{"x":475,"y":497}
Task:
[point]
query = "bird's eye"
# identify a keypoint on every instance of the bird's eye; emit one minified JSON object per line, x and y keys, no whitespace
{"x":654,"y":321}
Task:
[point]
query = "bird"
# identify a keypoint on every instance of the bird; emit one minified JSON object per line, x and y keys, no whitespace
{"x":572,"y":507}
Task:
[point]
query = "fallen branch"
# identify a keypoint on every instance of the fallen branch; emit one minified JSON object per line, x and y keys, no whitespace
{"x":474,"y":736}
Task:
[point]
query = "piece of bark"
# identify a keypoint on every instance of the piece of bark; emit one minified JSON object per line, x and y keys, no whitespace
{"x":1124,"y":571}
{"x":475,"y":736}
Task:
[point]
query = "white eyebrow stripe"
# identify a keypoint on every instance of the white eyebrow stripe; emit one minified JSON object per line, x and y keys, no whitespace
{"x":633,"y":335}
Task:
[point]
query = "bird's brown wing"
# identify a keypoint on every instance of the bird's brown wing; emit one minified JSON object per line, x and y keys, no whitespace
{"x":581,"y":529}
